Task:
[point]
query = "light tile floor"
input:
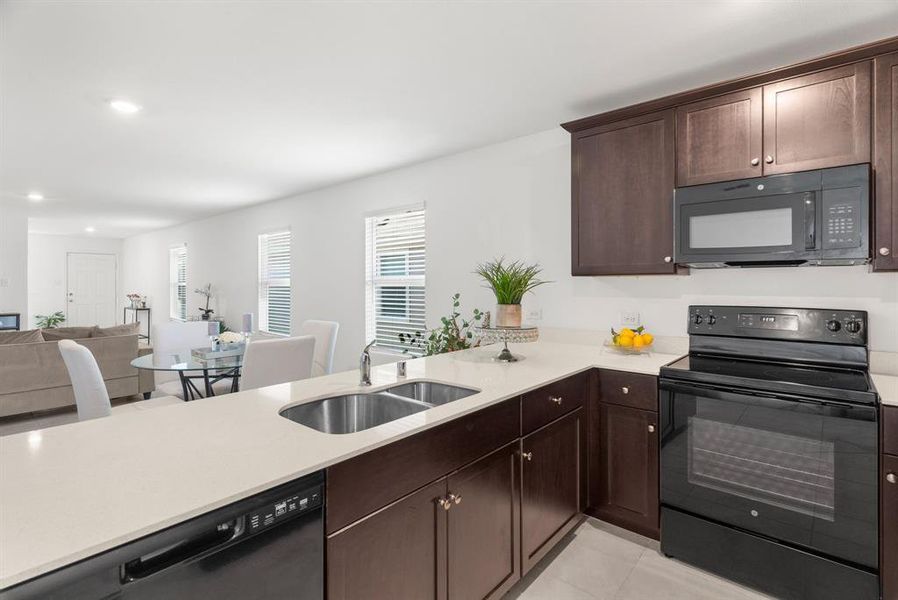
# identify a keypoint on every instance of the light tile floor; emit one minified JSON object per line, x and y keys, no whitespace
{"x":599,"y":561}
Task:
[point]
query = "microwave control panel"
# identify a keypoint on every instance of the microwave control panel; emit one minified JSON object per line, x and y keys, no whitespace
{"x":842,"y":218}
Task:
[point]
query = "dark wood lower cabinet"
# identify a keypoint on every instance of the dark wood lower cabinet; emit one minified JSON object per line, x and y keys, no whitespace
{"x":550,"y":485}
{"x":483,"y":528}
{"x":889,"y":516}
{"x":624,"y":489}
{"x":398,"y":552}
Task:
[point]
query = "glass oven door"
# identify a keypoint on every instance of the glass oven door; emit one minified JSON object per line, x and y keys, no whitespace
{"x":779,"y":228}
{"x":797,"y":470}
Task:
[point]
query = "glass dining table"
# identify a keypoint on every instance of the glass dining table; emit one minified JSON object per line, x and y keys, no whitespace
{"x":192,"y":369}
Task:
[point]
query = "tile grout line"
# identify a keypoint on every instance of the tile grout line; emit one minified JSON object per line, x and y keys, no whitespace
{"x":616,"y":593}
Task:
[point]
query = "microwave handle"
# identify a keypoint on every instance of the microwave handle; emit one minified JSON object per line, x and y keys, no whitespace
{"x":810,"y":222}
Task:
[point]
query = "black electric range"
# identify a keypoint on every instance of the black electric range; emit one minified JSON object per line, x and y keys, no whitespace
{"x":769,"y":450}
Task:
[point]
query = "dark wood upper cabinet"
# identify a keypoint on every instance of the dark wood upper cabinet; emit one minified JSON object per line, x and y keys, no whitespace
{"x":622,"y":178}
{"x":720,"y":139}
{"x":889,"y":490}
{"x":625,"y":474}
{"x":818,"y":120}
{"x":483,"y":528}
{"x":550,"y":484}
{"x":398,"y":552}
{"x":885,"y":161}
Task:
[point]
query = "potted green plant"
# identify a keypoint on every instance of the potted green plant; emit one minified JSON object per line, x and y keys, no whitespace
{"x":49,"y":321}
{"x":450,"y":336}
{"x":509,"y":282}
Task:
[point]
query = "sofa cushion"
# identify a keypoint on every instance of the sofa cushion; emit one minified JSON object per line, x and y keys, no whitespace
{"x":21,"y":337}
{"x":126,"y":329}
{"x":66,"y":333}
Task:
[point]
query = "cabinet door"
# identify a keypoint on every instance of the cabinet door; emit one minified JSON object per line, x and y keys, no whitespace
{"x":817,"y":121}
{"x":622,"y":197}
{"x":719,"y":139}
{"x":626,"y":493}
{"x":550,"y":483}
{"x":885,"y":160}
{"x":889,"y":567}
{"x":398,"y":552}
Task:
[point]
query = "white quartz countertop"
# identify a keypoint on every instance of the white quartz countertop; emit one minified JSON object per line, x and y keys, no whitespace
{"x":887,"y":386}
{"x":72,"y":491}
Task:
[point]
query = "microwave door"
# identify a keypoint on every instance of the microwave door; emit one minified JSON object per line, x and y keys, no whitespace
{"x":775,"y":230}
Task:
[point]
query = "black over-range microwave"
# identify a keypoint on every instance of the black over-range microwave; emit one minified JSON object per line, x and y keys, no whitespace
{"x":813,"y":218}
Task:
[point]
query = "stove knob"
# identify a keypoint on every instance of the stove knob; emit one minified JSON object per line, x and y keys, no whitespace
{"x":711,"y":319}
{"x":833,"y":326}
{"x":853,"y":326}
{"x":698,"y":319}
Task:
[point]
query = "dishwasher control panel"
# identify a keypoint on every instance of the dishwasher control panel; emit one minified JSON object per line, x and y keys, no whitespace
{"x":285,"y":508}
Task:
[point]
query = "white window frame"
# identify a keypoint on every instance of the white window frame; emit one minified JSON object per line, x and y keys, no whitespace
{"x":375,"y":280}
{"x":265,"y":282}
{"x":177,"y":310}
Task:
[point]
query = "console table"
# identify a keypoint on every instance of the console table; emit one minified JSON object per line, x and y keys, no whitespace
{"x":135,"y":312}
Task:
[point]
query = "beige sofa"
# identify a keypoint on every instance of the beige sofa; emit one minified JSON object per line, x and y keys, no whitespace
{"x":34,"y":378}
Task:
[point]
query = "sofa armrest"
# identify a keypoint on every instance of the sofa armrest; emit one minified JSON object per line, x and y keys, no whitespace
{"x":146,"y":379}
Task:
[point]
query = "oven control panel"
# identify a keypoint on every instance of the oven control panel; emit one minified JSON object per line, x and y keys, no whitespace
{"x":797,"y":324}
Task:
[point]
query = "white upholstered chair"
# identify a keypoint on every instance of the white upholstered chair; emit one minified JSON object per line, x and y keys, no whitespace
{"x":176,"y":337}
{"x":91,"y":396}
{"x":273,"y":361}
{"x":325,"y":333}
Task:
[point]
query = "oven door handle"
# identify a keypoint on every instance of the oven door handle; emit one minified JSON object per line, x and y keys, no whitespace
{"x":721,"y":393}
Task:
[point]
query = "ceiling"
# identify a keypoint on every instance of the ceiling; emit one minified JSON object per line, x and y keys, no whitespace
{"x":248,"y":101}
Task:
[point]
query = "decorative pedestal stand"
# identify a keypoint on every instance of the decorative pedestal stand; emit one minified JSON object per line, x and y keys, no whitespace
{"x":515,"y":335}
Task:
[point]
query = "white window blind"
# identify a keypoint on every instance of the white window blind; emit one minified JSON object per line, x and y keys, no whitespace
{"x":274,"y":282}
{"x":177,"y":277}
{"x":395,"y":284}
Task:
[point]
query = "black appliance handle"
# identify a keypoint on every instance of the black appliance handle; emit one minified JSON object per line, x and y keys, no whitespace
{"x":203,"y":543}
{"x":721,"y":393}
{"x":810,"y":221}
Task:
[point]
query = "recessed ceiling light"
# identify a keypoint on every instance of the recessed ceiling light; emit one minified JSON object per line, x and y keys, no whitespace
{"x":35,"y":196}
{"x":90,"y":229}
{"x":126,"y":107}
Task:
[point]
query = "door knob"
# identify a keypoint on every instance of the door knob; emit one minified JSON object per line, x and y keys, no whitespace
{"x":891,"y":478}
{"x":651,"y":429}
{"x":769,"y":159}
{"x":556,"y":399}
{"x":755,"y":162}
{"x":625,"y":390}
{"x":527,"y":455}
{"x":884,"y":251}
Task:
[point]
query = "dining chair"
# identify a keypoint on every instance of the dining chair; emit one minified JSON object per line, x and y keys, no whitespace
{"x":272,"y":361}
{"x":325,"y":333}
{"x":91,"y":395}
{"x":181,"y":336}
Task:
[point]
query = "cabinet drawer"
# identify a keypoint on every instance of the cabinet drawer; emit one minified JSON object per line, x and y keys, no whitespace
{"x":544,"y":405}
{"x":629,"y":389}
{"x":890,"y":430}
{"x":359,"y":486}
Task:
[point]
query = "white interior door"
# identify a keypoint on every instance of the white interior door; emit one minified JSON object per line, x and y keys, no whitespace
{"x":91,"y":290}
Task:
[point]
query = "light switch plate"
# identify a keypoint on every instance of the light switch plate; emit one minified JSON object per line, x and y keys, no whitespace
{"x":629,"y":318}
{"x":534,"y":315}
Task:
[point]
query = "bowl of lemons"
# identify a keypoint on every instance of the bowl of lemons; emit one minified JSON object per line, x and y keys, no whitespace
{"x":630,"y":341}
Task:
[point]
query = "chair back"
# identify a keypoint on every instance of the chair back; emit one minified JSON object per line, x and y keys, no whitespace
{"x":177,"y":337}
{"x":325,"y":333}
{"x":91,"y":396}
{"x":269,"y":362}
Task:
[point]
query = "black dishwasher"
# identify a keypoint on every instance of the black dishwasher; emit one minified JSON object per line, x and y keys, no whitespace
{"x":268,"y":546}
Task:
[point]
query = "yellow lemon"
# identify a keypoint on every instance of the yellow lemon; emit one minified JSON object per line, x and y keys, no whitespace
{"x":625,"y":340}
{"x":638,"y":341}
{"x":627,"y":332}
{"x":647,"y":339}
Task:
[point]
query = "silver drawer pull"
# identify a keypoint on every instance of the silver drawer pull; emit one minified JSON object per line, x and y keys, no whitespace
{"x":625,"y":390}
{"x":891,"y":478}
{"x":651,"y":429}
{"x":556,"y":399}
{"x":527,"y":455}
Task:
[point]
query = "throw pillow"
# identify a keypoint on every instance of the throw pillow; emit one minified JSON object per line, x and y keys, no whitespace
{"x":116,"y":330}
{"x":66,"y":333}
{"x":21,"y":337}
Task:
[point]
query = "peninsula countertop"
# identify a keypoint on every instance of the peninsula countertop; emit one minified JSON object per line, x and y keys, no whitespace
{"x":73,"y":491}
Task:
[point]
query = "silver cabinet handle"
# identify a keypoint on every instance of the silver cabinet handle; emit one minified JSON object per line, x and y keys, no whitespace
{"x":667,"y":259}
{"x":651,"y":429}
{"x":455,"y":499}
{"x":884,"y":251}
{"x":556,"y":399}
{"x":625,"y":390}
{"x":755,"y":162}
{"x":769,"y":160}
{"x":891,"y":478}
{"x":527,"y":455}
{"x":444,"y":503}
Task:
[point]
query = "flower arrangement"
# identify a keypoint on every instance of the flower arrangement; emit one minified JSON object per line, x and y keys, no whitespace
{"x":230,"y":337}
{"x":134,"y":299}
{"x":206,"y":291}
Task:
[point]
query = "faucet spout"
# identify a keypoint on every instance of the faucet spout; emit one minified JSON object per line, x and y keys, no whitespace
{"x":365,"y":365}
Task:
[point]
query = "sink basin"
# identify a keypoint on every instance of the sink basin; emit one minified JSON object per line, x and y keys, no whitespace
{"x":431,"y":392}
{"x":353,"y":412}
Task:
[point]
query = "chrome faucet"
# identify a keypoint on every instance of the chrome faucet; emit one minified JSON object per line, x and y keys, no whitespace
{"x":365,"y":365}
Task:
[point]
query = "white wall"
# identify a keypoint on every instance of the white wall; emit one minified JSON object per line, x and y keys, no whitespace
{"x":508,"y":199}
{"x":13,"y":256}
{"x":47,"y":268}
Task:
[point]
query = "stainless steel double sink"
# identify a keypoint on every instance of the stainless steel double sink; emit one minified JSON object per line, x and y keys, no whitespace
{"x":356,"y":412}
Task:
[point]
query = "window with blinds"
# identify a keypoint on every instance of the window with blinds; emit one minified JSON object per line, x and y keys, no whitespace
{"x":177,"y":278}
{"x":395,"y":286}
{"x":274,"y":282}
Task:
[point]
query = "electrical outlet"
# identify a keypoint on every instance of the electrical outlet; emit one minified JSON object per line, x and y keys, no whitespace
{"x":629,"y":318}
{"x":534,"y":315}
